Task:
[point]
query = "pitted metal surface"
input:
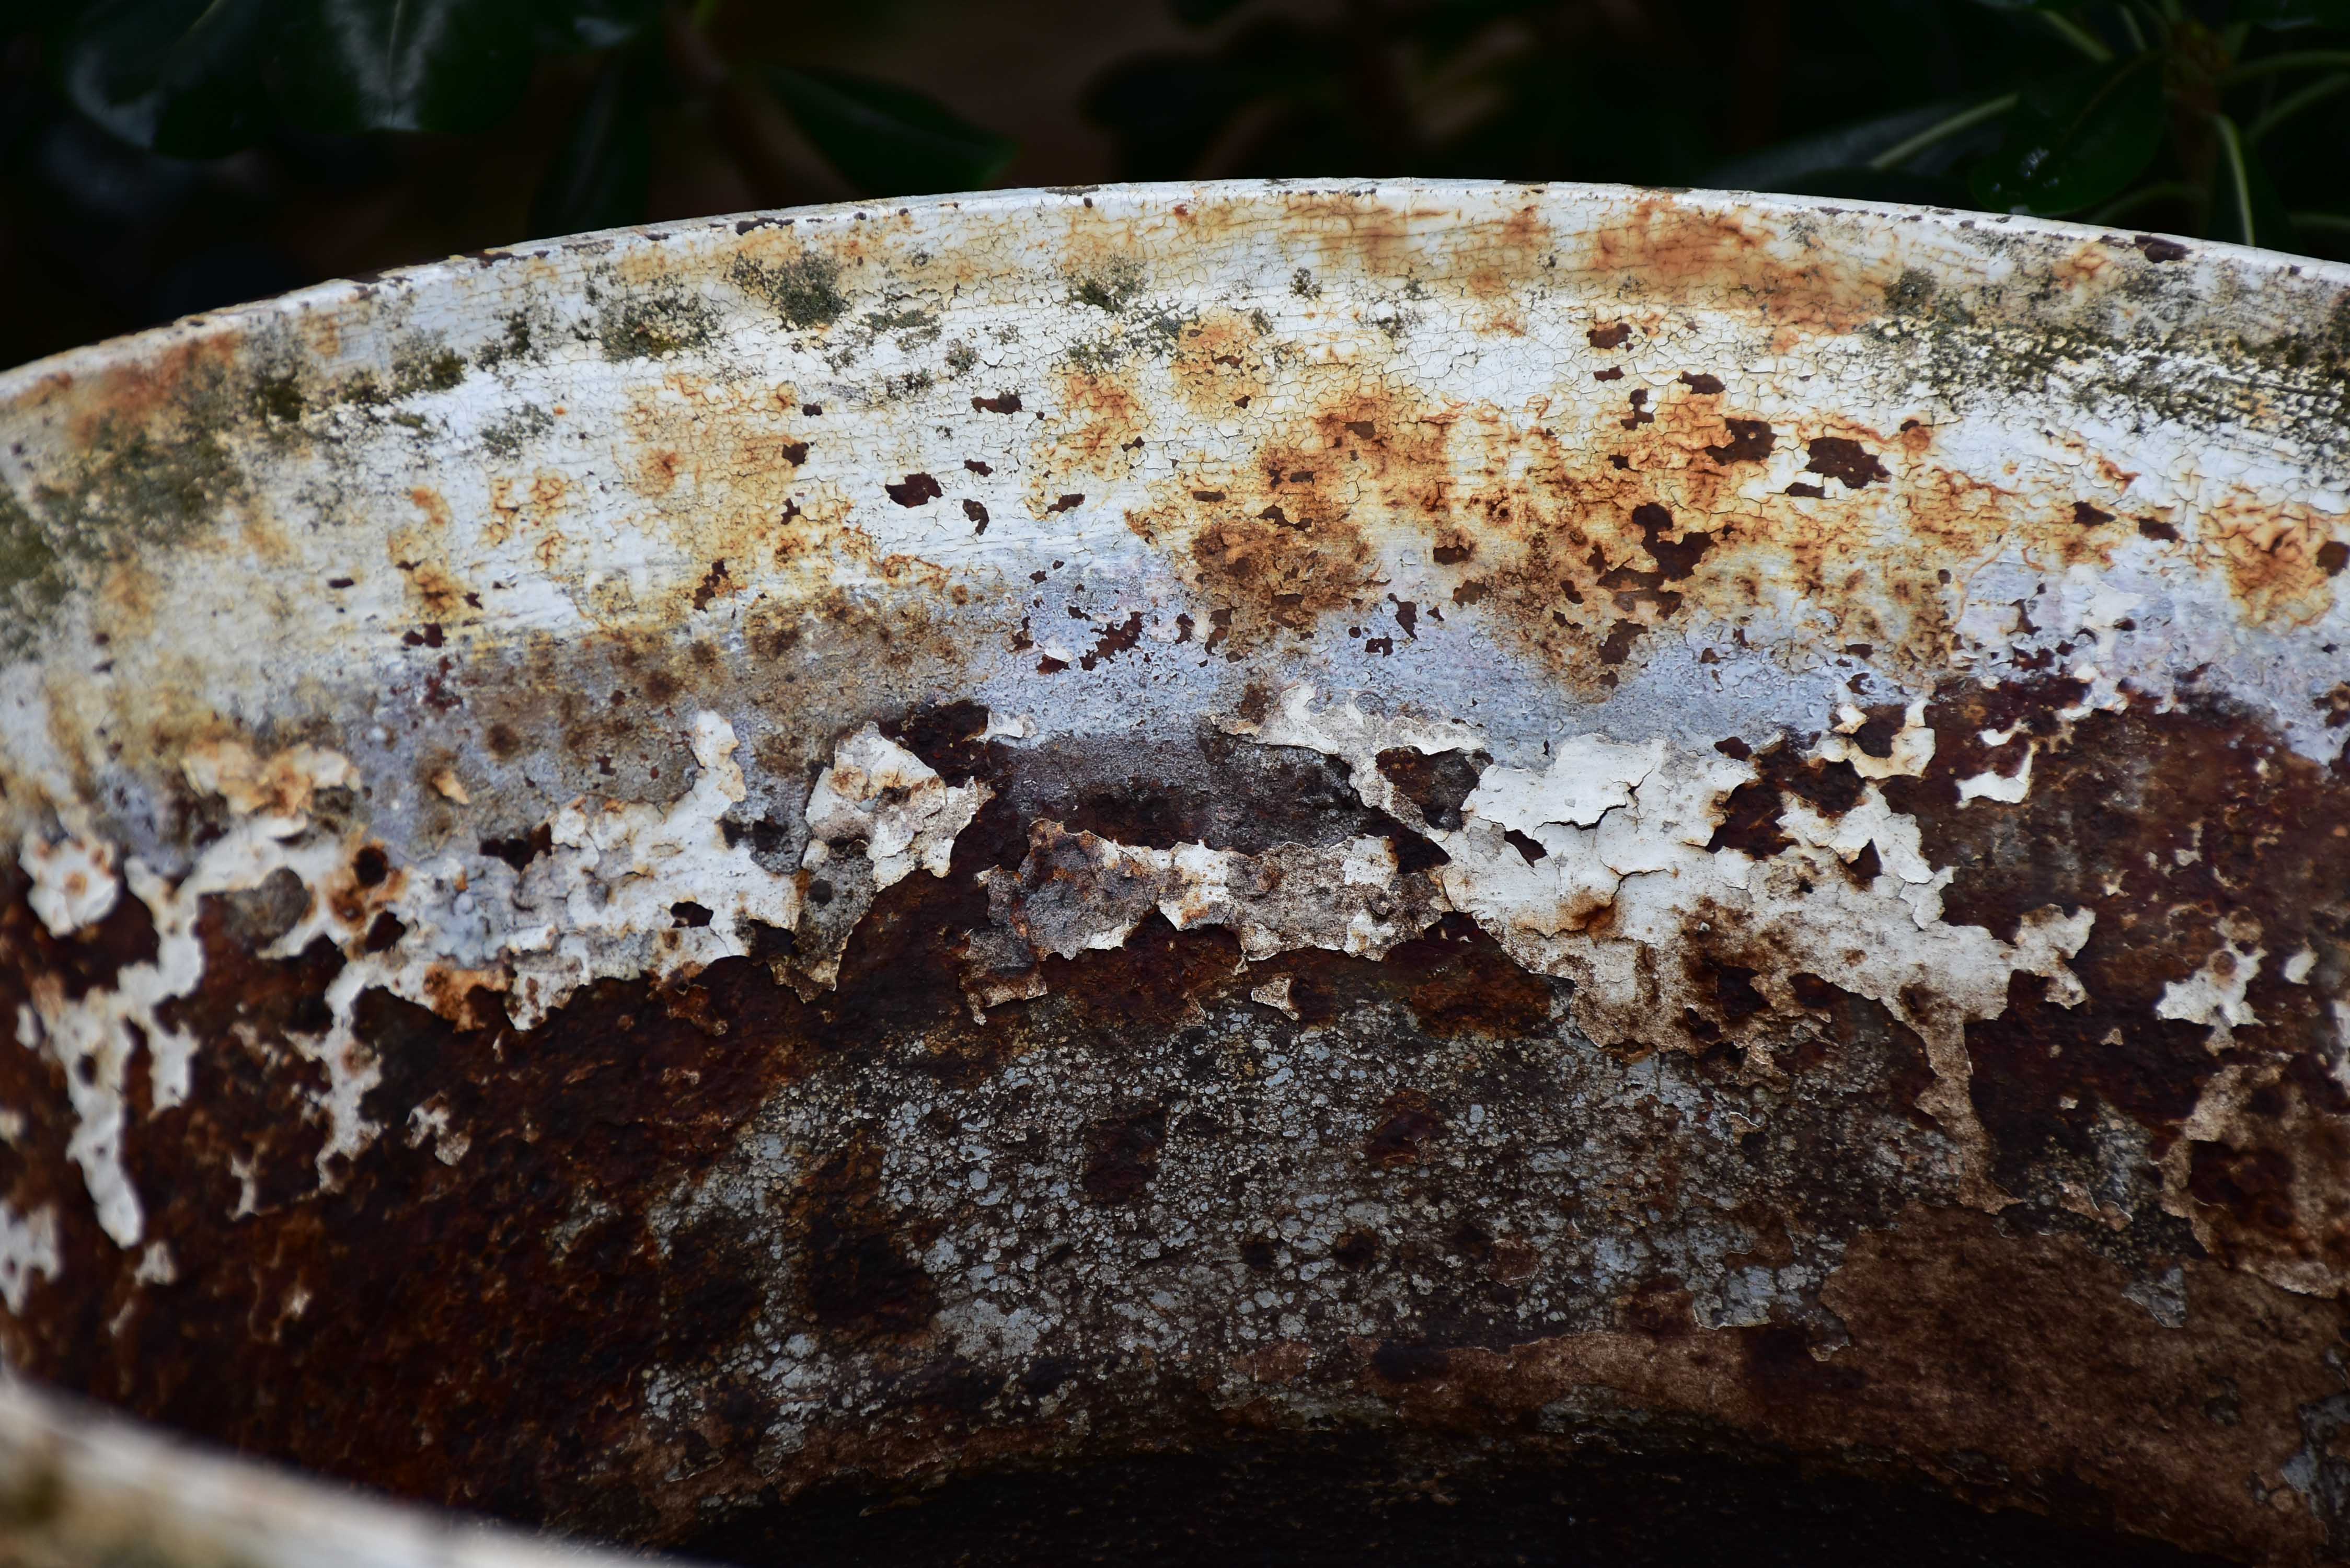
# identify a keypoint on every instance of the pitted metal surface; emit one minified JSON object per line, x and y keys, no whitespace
{"x":899,"y":842}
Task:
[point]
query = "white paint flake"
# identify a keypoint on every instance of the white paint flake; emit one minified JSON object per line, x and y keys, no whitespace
{"x":28,"y":1246}
{"x":2214,"y":995}
{"x":1077,"y":892}
{"x":2007,"y":788}
{"x":1911,"y":749}
{"x":878,"y":791}
{"x":74,"y":881}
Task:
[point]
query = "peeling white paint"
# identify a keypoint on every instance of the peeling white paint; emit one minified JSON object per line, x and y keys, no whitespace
{"x":1274,"y":994}
{"x":2009,"y":789}
{"x":1627,"y":892}
{"x":1077,"y":892}
{"x":2214,"y":995}
{"x":28,"y":1246}
{"x":156,"y":1265}
{"x":1911,"y":749}
{"x":600,"y":903}
{"x":878,"y":791}
{"x":73,"y":880}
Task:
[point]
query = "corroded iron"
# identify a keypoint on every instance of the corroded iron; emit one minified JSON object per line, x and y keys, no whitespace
{"x":845,"y":852}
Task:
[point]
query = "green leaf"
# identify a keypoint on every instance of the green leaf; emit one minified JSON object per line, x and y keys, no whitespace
{"x":1165,"y":110}
{"x":566,"y":26}
{"x":599,"y":176}
{"x":180,"y":76}
{"x":2245,"y":207}
{"x":1789,"y":165}
{"x":1203,"y":13}
{"x":405,"y":64}
{"x":888,"y":140}
{"x":1851,"y":146}
{"x":2076,"y":139}
{"x":2282,"y":13}
{"x":50,"y":16}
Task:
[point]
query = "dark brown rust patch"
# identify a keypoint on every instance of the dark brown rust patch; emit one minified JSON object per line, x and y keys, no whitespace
{"x":1122,"y":1153}
{"x":1114,"y":639}
{"x":1409,"y":1123}
{"x":1462,"y":983}
{"x":513,"y":1332}
{"x":2174,"y":830}
{"x":1841,"y":459}
{"x":89,"y":957}
{"x":859,"y":1277}
{"x":1785,"y":773}
{"x":1751,"y":440}
{"x":1435,"y":783}
{"x":914,"y":490}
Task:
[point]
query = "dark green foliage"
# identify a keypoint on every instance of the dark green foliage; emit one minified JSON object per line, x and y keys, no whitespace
{"x":2076,"y":140}
{"x":2294,"y":13}
{"x":604,"y":167}
{"x":198,"y":78}
{"x":888,"y":140}
{"x":2246,"y":208}
{"x":183,"y":77}
{"x":402,"y":64}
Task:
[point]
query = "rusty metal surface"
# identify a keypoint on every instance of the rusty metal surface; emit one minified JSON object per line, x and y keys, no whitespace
{"x":655,"y":870}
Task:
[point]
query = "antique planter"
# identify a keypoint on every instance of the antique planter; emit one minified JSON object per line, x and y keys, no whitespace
{"x":1472,"y":872}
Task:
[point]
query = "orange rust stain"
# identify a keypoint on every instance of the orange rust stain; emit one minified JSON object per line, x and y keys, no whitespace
{"x":656,"y":475}
{"x":722,"y":469}
{"x":150,"y":391}
{"x":466,"y":997}
{"x":2092,"y":261}
{"x":2114,"y":477}
{"x":322,"y":334}
{"x":420,"y":554}
{"x":1574,"y":529}
{"x":1289,"y":537}
{"x":1496,"y":264}
{"x":1360,"y":231}
{"x":431,"y":502}
{"x":2272,"y":553}
{"x":505,"y":511}
{"x":513,"y":508}
{"x":1219,"y":364}
{"x":900,"y":570}
{"x":1098,"y":432}
{"x":1666,"y":252}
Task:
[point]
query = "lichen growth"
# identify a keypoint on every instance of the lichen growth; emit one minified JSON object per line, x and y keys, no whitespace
{"x":646,"y":324}
{"x":804,"y":291}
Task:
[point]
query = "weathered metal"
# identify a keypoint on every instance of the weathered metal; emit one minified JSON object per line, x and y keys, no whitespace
{"x":860,"y":849}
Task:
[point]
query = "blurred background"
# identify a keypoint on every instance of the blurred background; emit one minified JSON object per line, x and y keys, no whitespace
{"x":159,"y":157}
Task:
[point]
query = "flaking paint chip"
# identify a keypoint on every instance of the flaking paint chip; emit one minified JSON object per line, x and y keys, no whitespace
{"x":1274,"y":994}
